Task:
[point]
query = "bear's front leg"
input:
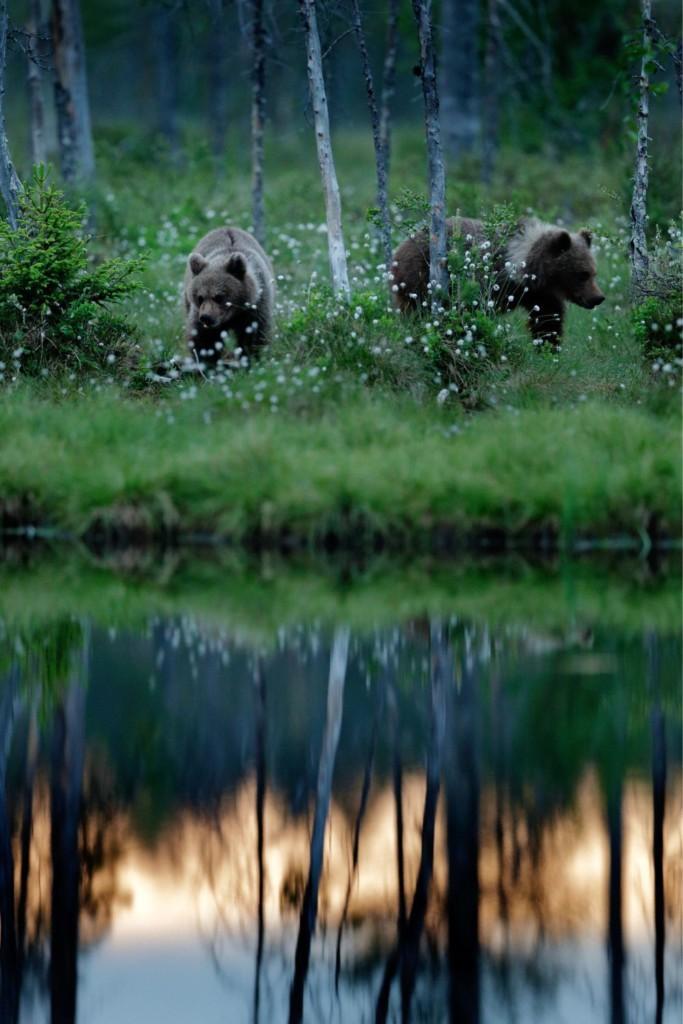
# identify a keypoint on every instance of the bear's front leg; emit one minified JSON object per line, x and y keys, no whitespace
{"x":546,"y":320}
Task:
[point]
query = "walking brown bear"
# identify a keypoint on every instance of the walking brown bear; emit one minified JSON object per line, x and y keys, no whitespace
{"x":540,"y":268}
{"x":229,"y":288}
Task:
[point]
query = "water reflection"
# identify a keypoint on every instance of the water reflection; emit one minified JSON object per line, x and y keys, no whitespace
{"x":434,"y":821}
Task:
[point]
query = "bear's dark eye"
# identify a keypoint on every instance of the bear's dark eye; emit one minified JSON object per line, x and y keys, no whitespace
{"x":199,"y":299}
{"x":583,"y":276}
{"x":220,"y":299}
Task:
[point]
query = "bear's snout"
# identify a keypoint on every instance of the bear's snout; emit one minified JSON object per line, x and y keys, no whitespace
{"x":596,"y":301}
{"x":206,"y":320}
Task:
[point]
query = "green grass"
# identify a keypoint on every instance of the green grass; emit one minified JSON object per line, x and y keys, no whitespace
{"x":336,"y":435}
{"x":365,"y":469}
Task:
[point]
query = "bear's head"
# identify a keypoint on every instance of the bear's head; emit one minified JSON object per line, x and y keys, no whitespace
{"x":220,"y":291}
{"x":568,"y":267}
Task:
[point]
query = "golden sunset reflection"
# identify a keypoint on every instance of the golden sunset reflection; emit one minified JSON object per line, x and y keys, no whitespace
{"x":201,"y":875}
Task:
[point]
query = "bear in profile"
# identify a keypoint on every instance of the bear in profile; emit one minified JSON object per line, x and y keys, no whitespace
{"x":229,"y":288}
{"x":539,"y":267}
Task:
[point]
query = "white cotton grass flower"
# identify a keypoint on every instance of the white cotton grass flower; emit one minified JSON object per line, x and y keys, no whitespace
{"x":442,"y":396}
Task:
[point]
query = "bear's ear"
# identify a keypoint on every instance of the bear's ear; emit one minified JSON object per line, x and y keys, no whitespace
{"x":586,"y":235}
{"x":197,"y":263}
{"x":559,"y":242}
{"x":237,"y":266}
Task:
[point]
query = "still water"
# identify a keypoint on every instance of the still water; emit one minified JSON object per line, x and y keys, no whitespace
{"x":436,"y":819}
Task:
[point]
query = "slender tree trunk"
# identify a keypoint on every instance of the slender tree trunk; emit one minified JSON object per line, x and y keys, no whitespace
{"x":309,"y":909}
{"x":9,"y":953}
{"x":74,"y":131}
{"x":35,"y":85}
{"x":168,"y":77}
{"x":658,"y":734}
{"x":10,"y":186}
{"x":66,"y":786}
{"x":258,"y":115}
{"x":260,"y":744}
{"x":328,"y":174}
{"x":493,"y":72}
{"x":380,"y":151}
{"x":217,"y":45}
{"x":388,"y":83}
{"x":639,"y":258}
{"x":460,"y":76}
{"x":463,"y":791}
{"x":438,"y":271}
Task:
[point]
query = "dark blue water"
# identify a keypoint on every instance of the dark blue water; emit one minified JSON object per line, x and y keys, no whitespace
{"x":440,"y":820}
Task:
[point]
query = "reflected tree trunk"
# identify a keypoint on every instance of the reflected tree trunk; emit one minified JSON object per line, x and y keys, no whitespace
{"x":362,"y":806}
{"x":615,"y":920}
{"x":260,"y":745}
{"x":9,"y":953}
{"x":397,"y":785}
{"x":309,"y":910}
{"x":27,"y":830}
{"x":405,"y":957}
{"x":658,"y":807}
{"x":66,"y":784}
{"x":462,"y":798}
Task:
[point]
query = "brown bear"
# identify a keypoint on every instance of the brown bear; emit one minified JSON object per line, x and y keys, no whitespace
{"x":229,"y":287}
{"x":539,"y":267}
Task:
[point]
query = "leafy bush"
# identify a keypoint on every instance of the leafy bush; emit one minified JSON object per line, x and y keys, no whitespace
{"x":54,"y":304}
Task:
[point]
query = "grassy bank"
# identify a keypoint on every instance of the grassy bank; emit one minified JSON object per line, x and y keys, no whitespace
{"x":365,"y":471}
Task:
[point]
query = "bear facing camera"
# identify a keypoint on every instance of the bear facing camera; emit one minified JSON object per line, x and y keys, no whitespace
{"x":229,"y":292}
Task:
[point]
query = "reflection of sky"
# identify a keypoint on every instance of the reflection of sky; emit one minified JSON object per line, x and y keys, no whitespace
{"x":181,"y":945}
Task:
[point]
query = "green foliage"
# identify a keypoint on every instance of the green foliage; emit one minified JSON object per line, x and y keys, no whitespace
{"x":54,"y":303}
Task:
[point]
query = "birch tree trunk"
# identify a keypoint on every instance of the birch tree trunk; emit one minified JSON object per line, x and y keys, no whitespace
{"x":492,"y":91}
{"x":460,"y":76}
{"x":258,"y":113}
{"x":388,"y":82}
{"x":74,"y":131}
{"x":438,"y":271}
{"x":10,"y":186}
{"x":638,"y":246}
{"x":380,"y":152}
{"x":35,"y":85}
{"x":328,"y":174}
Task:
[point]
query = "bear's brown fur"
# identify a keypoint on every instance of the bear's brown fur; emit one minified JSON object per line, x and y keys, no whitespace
{"x":229,"y":288}
{"x":540,"y":267}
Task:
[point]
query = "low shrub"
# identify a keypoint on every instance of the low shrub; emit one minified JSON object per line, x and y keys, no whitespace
{"x":55,"y":304}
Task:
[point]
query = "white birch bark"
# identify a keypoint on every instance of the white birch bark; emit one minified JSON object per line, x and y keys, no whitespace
{"x":10,"y":186}
{"x":438,"y":270}
{"x":74,"y":130}
{"x":638,"y":245}
{"x":328,"y":174}
{"x":380,"y":153}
